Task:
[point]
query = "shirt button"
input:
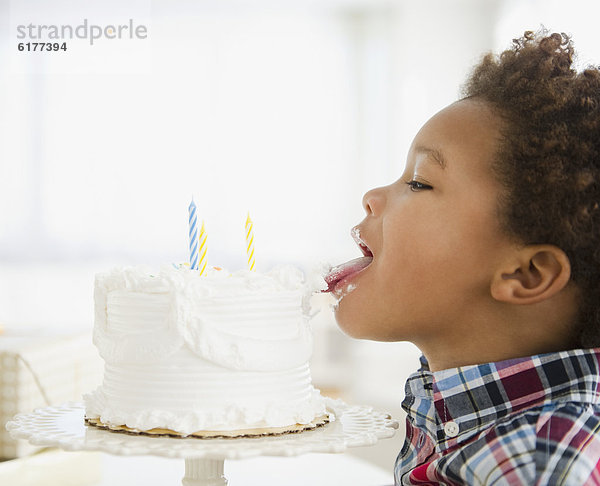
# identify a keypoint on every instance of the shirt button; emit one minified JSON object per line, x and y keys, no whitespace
{"x":451,"y":429}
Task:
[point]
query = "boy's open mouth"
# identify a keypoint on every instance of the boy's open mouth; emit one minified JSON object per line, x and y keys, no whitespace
{"x":338,"y":276}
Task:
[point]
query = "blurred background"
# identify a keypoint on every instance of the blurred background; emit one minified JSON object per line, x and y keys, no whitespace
{"x":288,"y":110}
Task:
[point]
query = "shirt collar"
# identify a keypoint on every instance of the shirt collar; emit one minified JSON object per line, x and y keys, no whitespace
{"x":476,"y":395}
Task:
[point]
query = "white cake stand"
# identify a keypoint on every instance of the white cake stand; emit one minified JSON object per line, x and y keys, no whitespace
{"x":63,"y":426}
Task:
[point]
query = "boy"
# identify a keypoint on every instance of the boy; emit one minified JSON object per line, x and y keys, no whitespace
{"x":486,"y":255}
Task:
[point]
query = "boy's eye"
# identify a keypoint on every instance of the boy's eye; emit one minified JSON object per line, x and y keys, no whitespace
{"x":418,"y":186}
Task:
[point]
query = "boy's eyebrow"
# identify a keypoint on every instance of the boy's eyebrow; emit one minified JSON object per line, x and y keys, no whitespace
{"x":436,"y":154}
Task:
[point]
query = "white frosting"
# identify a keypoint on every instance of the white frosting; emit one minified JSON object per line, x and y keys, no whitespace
{"x":214,"y":352}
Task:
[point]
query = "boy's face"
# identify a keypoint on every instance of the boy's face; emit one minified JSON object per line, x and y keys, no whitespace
{"x":434,"y":235}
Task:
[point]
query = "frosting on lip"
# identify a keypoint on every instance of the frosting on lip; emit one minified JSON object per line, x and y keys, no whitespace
{"x":337,"y":275}
{"x":355,"y":233}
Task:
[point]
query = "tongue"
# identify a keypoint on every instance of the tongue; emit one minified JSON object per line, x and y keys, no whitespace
{"x":337,"y":274}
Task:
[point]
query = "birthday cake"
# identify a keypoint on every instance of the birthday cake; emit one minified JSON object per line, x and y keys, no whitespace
{"x":218,"y":354}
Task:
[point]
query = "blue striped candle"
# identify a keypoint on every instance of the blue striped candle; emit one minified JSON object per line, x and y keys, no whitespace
{"x":193,"y":236}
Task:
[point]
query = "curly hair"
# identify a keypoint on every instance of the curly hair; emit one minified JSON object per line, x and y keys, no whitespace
{"x":548,"y":159}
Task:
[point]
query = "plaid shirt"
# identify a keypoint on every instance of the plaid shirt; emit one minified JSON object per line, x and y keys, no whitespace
{"x":523,"y":421}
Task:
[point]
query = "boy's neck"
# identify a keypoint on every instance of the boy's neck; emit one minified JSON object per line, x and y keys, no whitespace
{"x":508,"y":332}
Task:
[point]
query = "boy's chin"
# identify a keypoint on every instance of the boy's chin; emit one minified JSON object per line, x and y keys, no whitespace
{"x":345,"y":320}
{"x":358,"y":325}
{"x":353,"y":324}
{"x":351,"y":330}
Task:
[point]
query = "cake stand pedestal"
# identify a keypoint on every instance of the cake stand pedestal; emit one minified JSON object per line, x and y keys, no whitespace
{"x":63,"y":426}
{"x":204,"y":472}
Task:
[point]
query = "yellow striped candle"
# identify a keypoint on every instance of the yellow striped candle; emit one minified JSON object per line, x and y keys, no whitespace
{"x":202,"y":249}
{"x":250,"y":243}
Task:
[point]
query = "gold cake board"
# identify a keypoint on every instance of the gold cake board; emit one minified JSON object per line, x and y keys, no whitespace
{"x":214,"y":434}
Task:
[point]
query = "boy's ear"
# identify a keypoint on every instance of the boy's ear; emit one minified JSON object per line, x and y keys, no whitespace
{"x":534,"y":274}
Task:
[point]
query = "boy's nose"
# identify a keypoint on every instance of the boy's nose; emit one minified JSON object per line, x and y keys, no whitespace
{"x":373,"y":201}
